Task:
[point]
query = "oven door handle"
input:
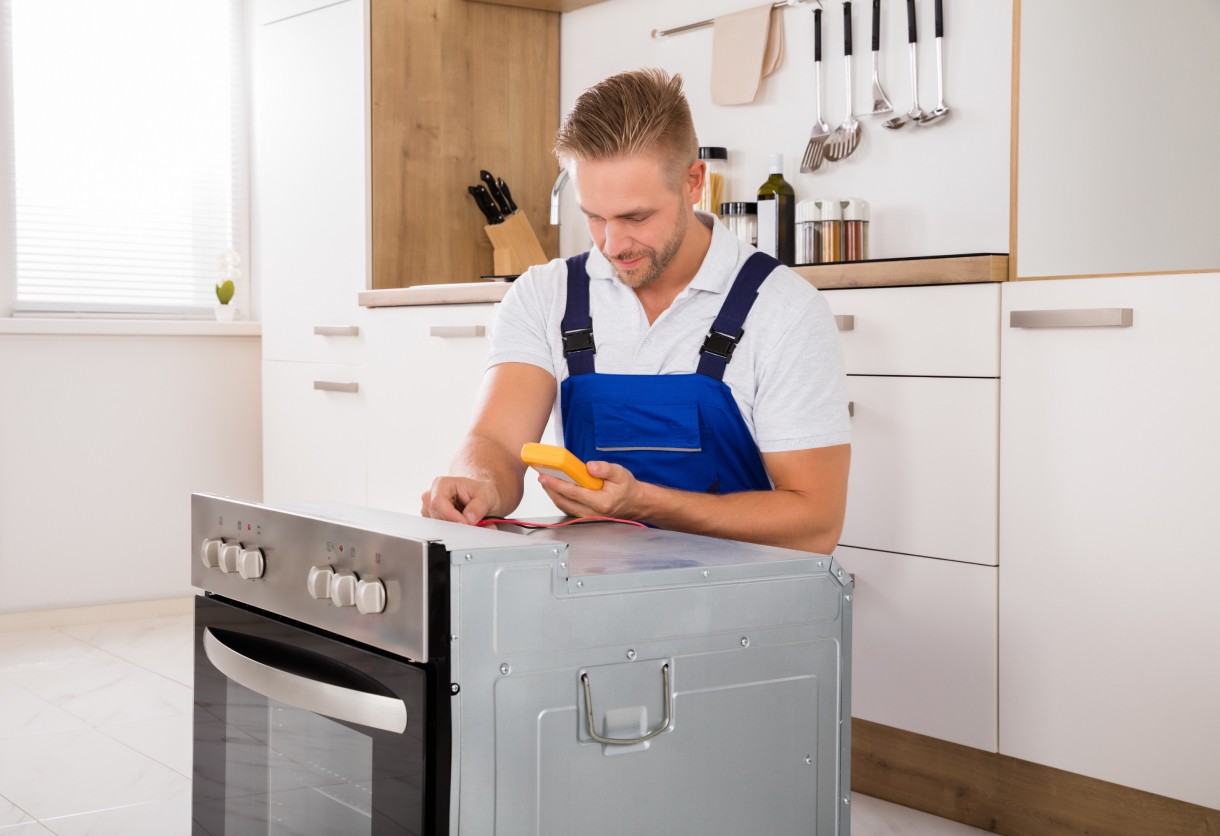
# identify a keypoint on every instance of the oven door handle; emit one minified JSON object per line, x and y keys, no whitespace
{"x":336,"y":701}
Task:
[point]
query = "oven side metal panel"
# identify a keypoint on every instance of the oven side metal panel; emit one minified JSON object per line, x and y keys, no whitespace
{"x":758,"y":662}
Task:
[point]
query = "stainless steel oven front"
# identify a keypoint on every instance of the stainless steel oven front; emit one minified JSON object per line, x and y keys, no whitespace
{"x":319,"y":708}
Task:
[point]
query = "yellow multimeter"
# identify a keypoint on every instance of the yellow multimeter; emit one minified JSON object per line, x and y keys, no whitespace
{"x":560,"y":463}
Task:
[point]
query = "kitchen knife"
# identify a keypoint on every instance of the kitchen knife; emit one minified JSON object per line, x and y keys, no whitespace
{"x":496,"y":196}
{"x":508,"y":196}
{"x":486,"y":205}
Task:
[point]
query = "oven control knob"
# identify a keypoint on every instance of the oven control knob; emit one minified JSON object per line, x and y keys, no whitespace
{"x":318,"y":582}
{"x":250,"y":564}
{"x":209,"y":553}
{"x":370,"y":596}
{"x":229,"y":554}
{"x":343,"y":589}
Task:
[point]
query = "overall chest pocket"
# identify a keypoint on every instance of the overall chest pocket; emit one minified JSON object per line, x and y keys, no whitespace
{"x":652,"y":427}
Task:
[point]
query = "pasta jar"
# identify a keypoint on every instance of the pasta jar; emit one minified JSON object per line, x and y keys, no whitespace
{"x":717,"y":160}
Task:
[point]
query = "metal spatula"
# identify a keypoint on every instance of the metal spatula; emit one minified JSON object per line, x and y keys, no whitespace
{"x":817,"y":137}
{"x":847,"y":136}
{"x":881,"y":102}
{"x":942,"y":109}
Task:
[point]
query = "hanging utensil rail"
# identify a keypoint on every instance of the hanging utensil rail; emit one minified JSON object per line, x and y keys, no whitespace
{"x":661,"y":33}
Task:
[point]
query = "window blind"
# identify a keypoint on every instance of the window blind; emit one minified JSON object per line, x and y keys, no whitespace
{"x":129,"y":160}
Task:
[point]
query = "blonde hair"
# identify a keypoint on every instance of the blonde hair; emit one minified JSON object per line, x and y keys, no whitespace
{"x":629,"y":114}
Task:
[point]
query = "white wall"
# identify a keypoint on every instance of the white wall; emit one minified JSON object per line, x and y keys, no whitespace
{"x":936,"y":190}
{"x":103,"y":437}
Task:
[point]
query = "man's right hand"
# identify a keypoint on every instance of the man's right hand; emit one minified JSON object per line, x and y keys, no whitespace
{"x":459,"y":499}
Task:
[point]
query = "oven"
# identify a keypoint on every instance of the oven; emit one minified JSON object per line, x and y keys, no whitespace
{"x":364,"y":672}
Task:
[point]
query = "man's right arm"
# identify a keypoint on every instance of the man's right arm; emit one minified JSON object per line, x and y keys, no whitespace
{"x":486,"y":475}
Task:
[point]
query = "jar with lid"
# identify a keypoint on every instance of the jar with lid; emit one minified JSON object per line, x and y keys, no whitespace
{"x":713,"y":182}
{"x":855,"y":229}
{"x":742,"y":220}
{"x":807,"y":244}
{"x":829,"y":225}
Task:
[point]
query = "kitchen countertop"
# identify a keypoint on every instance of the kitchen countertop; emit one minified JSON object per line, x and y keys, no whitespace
{"x":955,"y":269}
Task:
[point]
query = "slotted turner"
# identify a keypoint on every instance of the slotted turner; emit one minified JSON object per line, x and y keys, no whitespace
{"x":881,"y":102}
{"x":817,"y":137}
{"x":847,"y":136}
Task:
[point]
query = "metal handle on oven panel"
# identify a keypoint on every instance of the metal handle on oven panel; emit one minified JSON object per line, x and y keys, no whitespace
{"x":845,"y":322}
{"x":457,"y":330}
{"x":337,"y":330}
{"x":1073,"y":318}
{"x":851,"y":409}
{"x":336,"y":701}
{"x":336,"y":386}
{"x":614,"y":741}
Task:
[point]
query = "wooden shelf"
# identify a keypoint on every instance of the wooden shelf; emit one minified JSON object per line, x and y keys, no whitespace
{"x":544,"y":5}
{"x":952,"y":269}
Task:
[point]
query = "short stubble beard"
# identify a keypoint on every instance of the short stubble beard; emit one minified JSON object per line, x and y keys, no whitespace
{"x":657,"y":261}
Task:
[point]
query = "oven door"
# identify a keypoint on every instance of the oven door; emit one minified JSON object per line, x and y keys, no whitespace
{"x":298,"y":732}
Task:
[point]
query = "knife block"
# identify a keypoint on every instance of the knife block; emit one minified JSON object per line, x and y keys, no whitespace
{"x":515,"y":246}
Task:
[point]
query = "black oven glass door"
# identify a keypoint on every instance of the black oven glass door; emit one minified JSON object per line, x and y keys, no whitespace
{"x":297,"y":732}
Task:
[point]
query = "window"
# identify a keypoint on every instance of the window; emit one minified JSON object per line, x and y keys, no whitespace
{"x":128,"y":157}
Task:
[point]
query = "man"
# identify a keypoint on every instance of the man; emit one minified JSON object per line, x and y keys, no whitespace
{"x":701,"y":380}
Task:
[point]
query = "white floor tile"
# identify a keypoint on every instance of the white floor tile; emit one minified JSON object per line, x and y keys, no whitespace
{"x":164,"y":645}
{"x":874,"y":817}
{"x":171,"y":817}
{"x":61,"y":774}
{"x":11,"y":814}
{"x":43,"y":649}
{"x":108,"y":691}
{"x":25,"y":714}
{"x":167,"y":740}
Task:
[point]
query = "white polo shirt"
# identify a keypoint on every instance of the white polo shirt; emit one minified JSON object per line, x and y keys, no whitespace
{"x":786,"y":374}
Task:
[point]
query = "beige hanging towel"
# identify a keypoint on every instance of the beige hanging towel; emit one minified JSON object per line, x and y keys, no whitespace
{"x":746,"y":48}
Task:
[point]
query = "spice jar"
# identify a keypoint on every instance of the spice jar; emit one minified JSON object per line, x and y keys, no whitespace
{"x":829,"y":224}
{"x":742,"y":220}
{"x":713,"y":183}
{"x":855,"y":229}
{"x":807,"y":244}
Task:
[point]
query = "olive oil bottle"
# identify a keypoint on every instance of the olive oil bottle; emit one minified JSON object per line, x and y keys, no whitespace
{"x":777,"y":214}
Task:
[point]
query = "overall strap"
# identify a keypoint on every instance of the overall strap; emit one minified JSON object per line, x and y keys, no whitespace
{"x":726,"y":330}
{"x":577,"y":325}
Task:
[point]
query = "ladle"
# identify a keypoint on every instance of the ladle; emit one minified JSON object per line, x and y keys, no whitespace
{"x":914,"y":114}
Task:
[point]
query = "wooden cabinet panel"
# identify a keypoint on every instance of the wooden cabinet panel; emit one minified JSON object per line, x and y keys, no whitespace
{"x":313,"y":439}
{"x":944,"y":330}
{"x":457,"y":87}
{"x":924,"y":645}
{"x":924,"y":468}
{"x":1109,"y":630}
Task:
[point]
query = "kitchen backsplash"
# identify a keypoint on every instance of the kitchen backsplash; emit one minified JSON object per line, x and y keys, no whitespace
{"x":933,"y":190}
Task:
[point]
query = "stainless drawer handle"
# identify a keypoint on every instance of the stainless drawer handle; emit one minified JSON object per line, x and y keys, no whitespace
{"x":325,"y":698}
{"x":845,"y":322}
{"x":1073,"y":318}
{"x":335,"y":386}
{"x":457,"y":330}
{"x":615,"y":741}
{"x":337,"y":330}
{"x":851,"y":409}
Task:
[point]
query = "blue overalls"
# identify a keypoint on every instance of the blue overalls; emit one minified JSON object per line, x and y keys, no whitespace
{"x":681,"y":430}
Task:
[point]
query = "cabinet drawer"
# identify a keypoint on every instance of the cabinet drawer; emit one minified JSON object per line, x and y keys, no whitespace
{"x":944,"y":330}
{"x":924,"y":645}
{"x":314,"y":430}
{"x":924,"y":473}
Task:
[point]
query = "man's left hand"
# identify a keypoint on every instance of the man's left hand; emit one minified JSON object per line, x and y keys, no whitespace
{"x":620,"y":495}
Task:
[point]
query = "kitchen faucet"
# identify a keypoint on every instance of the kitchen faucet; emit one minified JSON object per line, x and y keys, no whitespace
{"x":555,"y":189}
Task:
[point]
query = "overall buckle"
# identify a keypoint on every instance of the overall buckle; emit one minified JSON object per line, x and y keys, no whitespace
{"x":580,"y":339}
{"x":721,"y":345}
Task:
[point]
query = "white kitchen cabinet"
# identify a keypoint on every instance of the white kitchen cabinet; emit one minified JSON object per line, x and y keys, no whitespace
{"x":923,"y":467}
{"x":924,"y":645}
{"x":425,"y":365}
{"x":314,"y":443}
{"x":1109,"y":577}
{"x":922,"y":505}
{"x":310,"y":176}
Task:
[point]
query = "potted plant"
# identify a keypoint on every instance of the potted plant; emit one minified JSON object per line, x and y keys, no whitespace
{"x":229,"y":271}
